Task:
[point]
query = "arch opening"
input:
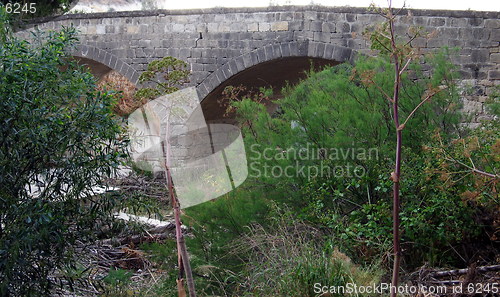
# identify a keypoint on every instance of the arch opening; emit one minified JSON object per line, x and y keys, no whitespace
{"x":273,"y":74}
{"x":97,"y":69}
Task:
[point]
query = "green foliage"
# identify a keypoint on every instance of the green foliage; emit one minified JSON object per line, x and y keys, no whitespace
{"x":493,"y":104}
{"x":163,"y":76}
{"x":117,"y":282}
{"x":164,"y":254}
{"x":339,"y":120}
{"x":117,"y":276}
{"x":335,"y":129}
{"x":58,"y":139}
{"x":433,"y":219}
{"x":215,"y":225}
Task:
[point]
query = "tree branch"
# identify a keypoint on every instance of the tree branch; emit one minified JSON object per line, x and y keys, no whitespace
{"x":416,"y":108}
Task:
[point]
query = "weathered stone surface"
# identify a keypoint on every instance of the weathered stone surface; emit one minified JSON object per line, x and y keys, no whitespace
{"x":221,"y":42}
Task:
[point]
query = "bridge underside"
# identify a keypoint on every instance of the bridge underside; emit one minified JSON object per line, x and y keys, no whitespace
{"x":99,"y":70}
{"x":273,"y":74}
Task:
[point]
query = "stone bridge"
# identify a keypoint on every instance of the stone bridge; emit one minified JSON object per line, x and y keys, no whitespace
{"x":268,"y":46}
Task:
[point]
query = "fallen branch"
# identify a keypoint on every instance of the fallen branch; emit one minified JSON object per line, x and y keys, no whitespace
{"x":464,"y":271}
{"x":157,"y":233}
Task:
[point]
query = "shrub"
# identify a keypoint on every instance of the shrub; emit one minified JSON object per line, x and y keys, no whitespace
{"x":126,"y":101}
{"x":336,"y":112}
{"x":58,"y":139}
{"x":344,"y":125}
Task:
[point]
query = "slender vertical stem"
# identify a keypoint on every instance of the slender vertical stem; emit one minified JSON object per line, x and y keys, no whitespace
{"x":183,"y":258}
{"x":397,"y":170}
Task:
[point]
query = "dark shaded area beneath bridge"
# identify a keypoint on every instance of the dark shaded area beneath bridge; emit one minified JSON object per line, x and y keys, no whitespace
{"x":97,"y":69}
{"x":271,"y":74}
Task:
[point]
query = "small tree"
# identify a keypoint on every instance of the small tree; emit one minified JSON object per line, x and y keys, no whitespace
{"x":401,"y":54}
{"x":165,"y":76}
{"x":58,"y":139}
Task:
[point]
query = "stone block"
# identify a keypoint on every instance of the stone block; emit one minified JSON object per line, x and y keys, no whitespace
{"x":350,"y":17}
{"x":495,"y":35}
{"x":277,"y":51}
{"x":285,"y":49}
{"x":495,"y":58}
{"x":492,"y":23}
{"x":472,"y":107}
{"x":91,"y":30}
{"x":269,"y":53}
{"x":240,"y":64}
{"x":190,"y":28}
{"x":320,"y":50}
{"x":344,"y":27}
{"x":494,"y":74}
{"x":476,"y":22}
{"x":480,"y":55}
{"x":448,"y":33}
{"x":261,"y":55}
{"x":420,"y":21}
{"x":213,"y":27}
{"x":310,"y":15}
{"x":109,"y":29}
{"x":436,"y":22}
{"x":436,"y":42}
{"x":253,"y":27}
{"x":328,"y":27}
{"x":322,"y":36}
{"x":227,"y":72}
{"x":285,"y":16}
{"x":209,"y":67}
{"x":316,"y":26}
{"x":419,"y":42}
{"x":263,"y":27}
{"x":279,"y":26}
{"x":178,"y":28}
{"x":143,"y":29}
{"x":295,"y":25}
{"x":342,"y":54}
{"x":311,"y":49}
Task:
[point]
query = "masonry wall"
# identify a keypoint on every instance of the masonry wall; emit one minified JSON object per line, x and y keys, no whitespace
{"x":219,"y":43}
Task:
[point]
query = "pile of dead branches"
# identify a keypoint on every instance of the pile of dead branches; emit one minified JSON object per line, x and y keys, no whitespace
{"x":472,"y":281}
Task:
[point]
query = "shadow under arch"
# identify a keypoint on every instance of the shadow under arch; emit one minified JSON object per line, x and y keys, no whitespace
{"x":102,"y":62}
{"x":273,"y":65}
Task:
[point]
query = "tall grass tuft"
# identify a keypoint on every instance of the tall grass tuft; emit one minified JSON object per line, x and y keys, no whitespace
{"x":288,"y":258}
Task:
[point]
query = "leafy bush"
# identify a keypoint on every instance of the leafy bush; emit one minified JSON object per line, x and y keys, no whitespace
{"x":335,"y":129}
{"x":58,"y":139}
{"x":339,"y":120}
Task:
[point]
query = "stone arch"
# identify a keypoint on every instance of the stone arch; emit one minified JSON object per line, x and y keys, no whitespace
{"x":88,"y":52}
{"x":305,"y":48}
{"x":274,"y":62}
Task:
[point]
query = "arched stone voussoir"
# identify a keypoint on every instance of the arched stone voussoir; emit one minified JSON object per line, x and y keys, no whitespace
{"x":107,"y":59}
{"x":330,"y":51}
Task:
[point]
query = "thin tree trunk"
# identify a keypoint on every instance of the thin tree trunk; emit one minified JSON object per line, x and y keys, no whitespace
{"x":183,"y":258}
{"x":396,"y":175}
